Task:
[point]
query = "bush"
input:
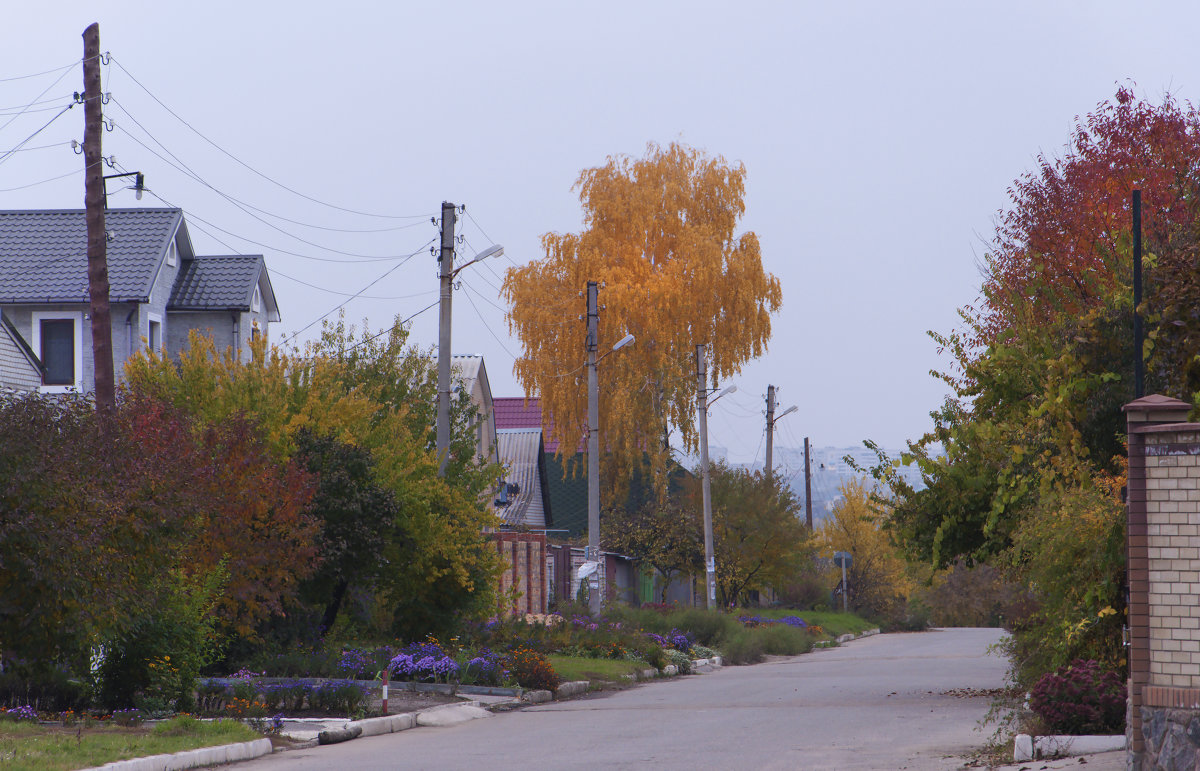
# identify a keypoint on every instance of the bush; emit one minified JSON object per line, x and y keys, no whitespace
{"x":681,"y":660}
{"x":743,"y":647}
{"x":531,"y":670}
{"x":1080,"y":698}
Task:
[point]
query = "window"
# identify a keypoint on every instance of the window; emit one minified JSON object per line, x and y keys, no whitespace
{"x":256,"y":301}
{"x":172,"y":257}
{"x":58,"y":351}
{"x":56,"y":338}
{"x":154,"y":332}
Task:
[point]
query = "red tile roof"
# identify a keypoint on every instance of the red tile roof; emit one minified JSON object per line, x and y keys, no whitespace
{"x":520,"y":412}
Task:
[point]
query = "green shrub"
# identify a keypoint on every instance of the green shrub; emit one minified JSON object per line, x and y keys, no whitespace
{"x":681,"y":660}
{"x":783,"y":640}
{"x":743,"y":647}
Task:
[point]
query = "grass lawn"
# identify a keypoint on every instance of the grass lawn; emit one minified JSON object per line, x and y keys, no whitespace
{"x":611,"y":671}
{"x":33,"y":747}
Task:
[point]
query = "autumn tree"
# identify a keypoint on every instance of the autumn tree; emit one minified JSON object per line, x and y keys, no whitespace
{"x":667,"y":537}
{"x":364,"y":390}
{"x":758,"y":539}
{"x":660,"y":235}
{"x":877,"y":581}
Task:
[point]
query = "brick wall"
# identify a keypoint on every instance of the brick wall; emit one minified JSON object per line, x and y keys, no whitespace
{"x":1163,"y":564}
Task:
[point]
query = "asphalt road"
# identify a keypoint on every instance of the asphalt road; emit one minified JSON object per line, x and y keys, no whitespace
{"x":885,"y":702}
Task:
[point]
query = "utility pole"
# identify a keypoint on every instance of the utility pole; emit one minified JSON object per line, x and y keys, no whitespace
{"x":445,"y":275}
{"x":1139,"y":385}
{"x":97,"y":236}
{"x":710,"y":565}
{"x":593,"y":443}
{"x":770,"y":427}
{"x":807,"y":487}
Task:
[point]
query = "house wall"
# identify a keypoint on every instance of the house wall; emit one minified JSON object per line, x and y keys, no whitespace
{"x":15,"y":370}
{"x":524,"y":556}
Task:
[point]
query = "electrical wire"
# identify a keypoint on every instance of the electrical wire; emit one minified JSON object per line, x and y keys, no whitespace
{"x":44,"y":181}
{"x":187,"y":171}
{"x":343,"y":303}
{"x":486,"y":325}
{"x":353,"y":294}
{"x":193,"y":216}
{"x":36,"y":98}
{"x":485,"y":235}
{"x":20,"y":144}
{"x":39,"y":74}
{"x":42,"y":147}
{"x":254,"y":170}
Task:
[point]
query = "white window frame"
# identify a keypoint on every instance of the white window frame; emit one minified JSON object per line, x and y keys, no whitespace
{"x":76,"y":316}
{"x":172,"y":254}
{"x":162,"y":330}
{"x":256,"y":300}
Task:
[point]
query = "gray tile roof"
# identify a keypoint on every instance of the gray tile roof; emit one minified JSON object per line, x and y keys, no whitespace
{"x":521,"y":454}
{"x":216,"y":283}
{"x":43,"y":253}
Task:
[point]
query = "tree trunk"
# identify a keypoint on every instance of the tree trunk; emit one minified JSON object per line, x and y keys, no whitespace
{"x":335,"y":604}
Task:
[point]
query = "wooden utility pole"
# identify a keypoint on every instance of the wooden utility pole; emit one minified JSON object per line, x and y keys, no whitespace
{"x":97,"y":236}
{"x":1139,"y":387}
{"x":807,"y":487}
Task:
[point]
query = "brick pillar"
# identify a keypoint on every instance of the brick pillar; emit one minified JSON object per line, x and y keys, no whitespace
{"x":1151,"y":417}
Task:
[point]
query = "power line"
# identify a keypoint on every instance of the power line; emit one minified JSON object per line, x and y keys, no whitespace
{"x":254,"y":170}
{"x":342,"y":304}
{"x":36,"y":98}
{"x":187,"y":171}
{"x":192,"y":215}
{"x":486,"y":325}
{"x":39,"y":74}
{"x":353,"y":294}
{"x":20,"y":144}
{"x":43,"y":181}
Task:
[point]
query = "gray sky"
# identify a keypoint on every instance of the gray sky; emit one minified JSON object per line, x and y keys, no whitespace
{"x":879,"y":141}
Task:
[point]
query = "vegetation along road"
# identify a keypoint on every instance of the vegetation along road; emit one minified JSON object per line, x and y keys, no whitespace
{"x":895,"y":701}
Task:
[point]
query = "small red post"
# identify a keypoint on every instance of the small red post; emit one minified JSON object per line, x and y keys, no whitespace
{"x":385,"y":685}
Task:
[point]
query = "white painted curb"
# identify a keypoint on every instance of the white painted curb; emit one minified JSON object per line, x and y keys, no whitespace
{"x":205,"y":756}
{"x":1026,"y":747}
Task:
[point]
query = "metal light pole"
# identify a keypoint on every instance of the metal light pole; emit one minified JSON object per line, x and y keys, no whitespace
{"x":446,"y":273}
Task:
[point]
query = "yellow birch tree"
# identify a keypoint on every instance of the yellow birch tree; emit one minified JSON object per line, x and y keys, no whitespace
{"x":659,"y":234}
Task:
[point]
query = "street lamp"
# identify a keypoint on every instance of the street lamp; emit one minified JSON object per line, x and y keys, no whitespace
{"x":446,"y":275}
{"x":589,"y":570}
{"x":702,"y":405}
{"x":772,"y":418}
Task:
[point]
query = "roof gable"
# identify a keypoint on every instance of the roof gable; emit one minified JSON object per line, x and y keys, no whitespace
{"x":225,"y":282}
{"x":43,"y":253}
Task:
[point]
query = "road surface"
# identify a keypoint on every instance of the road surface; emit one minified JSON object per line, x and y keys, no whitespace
{"x":897,"y":701}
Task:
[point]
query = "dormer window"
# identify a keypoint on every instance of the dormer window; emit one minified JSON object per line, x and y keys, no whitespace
{"x":172,"y":257}
{"x":256,"y":301}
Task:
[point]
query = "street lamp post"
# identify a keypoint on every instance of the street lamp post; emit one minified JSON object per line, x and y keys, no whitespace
{"x":446,"y":273}
{"x":592,"y":555}
{"x":702,"y":404}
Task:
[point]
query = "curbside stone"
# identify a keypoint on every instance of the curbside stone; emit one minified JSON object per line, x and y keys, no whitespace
{"x":572,"y":688}
{"x":374,"y":726}
{"x":537,"y":697}
{"x":336,"y":735}
{"x":198,"y":758}
{"x":670,"y":670}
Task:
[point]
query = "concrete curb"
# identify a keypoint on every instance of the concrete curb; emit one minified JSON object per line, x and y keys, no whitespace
{"x":845,"y":638}
{"x":205,"y":756}
{"x":1026,"y":747}
{"x":375,"y":726}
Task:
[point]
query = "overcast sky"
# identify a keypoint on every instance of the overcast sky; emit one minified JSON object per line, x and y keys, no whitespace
{"x":879,"y":141}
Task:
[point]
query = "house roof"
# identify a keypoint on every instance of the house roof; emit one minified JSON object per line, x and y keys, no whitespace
{"x":43,"y":253}
{"x":10,"y":331}
{"x":521,"y":454}
{"x":222,"y":282}
{"x":522,"y":412}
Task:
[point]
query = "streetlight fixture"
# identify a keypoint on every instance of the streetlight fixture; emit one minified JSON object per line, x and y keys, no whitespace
{"x":446,"y":275}
{"x":772,"y":418}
